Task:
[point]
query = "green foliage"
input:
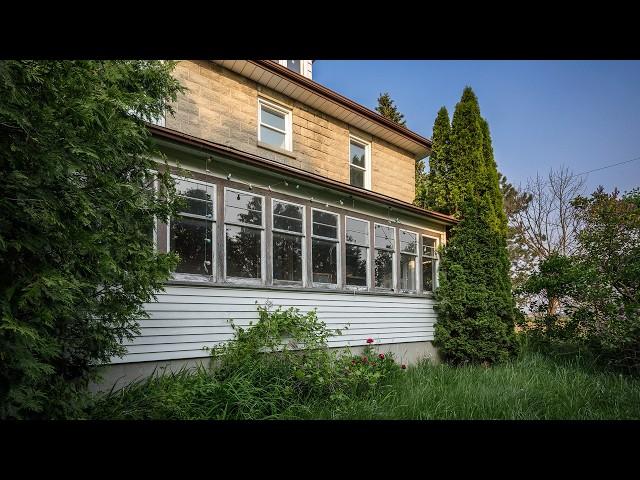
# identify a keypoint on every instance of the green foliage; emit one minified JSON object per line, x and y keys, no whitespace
{"x":76,"y":216}
{"x":281,"y":364}
{"x":476,"y":311}
{"x":433,"y":190}
{"x":597,"y":287}
{"x":387,"y":109}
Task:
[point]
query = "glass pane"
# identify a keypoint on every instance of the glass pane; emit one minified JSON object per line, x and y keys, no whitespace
{"x":243,"y":252}
{"x":272,"y":137}
{"x":191,"y":239}
{"x":287,"y":217}
{"x":287,"y":257}
{"x":428,"y":247}
{"x":385,"y":237}
{"x":186,"y":188}
{"x":273,"y":118}
{"x":408,"y":242}
{"x":294,"y":65}
{"x":427,"y":275}
{"x":384,"y":269}
{"x":407,"y":272}
{"x":357,"y":155}
{"x":196,"y":207}
{"x":324,"y":261}
{"x":356,"y":266}
{"x":357,"y":231}
{"x":325,"y":224}
{"x":243,"y":208}
{"x":357,"y":177}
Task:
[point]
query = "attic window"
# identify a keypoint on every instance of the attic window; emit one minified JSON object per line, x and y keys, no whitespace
{"x":295,"y":65}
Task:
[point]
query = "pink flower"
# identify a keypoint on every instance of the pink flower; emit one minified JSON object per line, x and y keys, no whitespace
{"x":403,"y":366}
{"x":381,"y":356}
{"x":369,"y":340}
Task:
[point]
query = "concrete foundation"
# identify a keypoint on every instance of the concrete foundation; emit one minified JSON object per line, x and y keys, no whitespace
{"x":119,"y":375}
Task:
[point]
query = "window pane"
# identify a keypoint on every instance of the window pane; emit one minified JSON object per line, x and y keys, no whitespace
{"x":273,"y":118}
{"x":243,"y":252}
{"x":277,"y":139}
{"x":356,"y":267}
{"x":408,"y":242}
{"x":324,"y":261}
{"x":385,"y":237}
{"x":325,"y":224}
{"x":428,"y":247}
{"x":357,"y":177}
{"x":287,"y":257}
{"x":195,"y":198}
{"x":407,"y":272}
{"x":427,"y":274}
{"x":357,"y":231}
{"x":243,"y":208}
{"x":287,"y":217}
{"x":191,"y":239}
{"x":357,"y":155}
{"x":294,"y":65}
{"x":384,"y":269}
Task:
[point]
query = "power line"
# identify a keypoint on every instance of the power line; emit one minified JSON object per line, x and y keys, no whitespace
{"x":607,"y":166}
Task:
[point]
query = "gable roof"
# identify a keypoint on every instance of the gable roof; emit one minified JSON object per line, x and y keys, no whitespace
{"x":298,"y":87}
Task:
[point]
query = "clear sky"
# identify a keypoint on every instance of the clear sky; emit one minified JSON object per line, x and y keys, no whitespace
{"x":581,"y":114}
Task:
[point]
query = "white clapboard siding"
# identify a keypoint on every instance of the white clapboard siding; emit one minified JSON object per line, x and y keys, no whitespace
{"x":184,"y":320}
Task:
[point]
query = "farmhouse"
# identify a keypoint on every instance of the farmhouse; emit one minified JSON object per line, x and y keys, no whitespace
{"x":294,"y":195}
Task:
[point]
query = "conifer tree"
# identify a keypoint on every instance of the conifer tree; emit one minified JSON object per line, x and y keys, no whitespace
{"x":432,"y":189}
{"x":387,"y":109}
{"x":475,"y":305}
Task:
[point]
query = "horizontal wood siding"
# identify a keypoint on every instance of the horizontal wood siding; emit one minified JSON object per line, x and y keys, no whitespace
{"x":185,"y":319}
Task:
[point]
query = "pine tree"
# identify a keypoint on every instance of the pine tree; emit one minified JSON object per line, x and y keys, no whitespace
{"x":432,"y":189}
{"x":387,"y":109}
{"x":475,"y":305}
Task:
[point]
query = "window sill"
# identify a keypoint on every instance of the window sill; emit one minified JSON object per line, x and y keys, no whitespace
{"x":281,"y":151}
{"x":315,"y":289}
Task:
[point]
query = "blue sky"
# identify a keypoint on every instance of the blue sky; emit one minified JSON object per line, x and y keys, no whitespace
{"x":542,"y":114}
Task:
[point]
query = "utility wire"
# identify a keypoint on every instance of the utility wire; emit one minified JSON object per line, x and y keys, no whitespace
{"x":606,"y":166}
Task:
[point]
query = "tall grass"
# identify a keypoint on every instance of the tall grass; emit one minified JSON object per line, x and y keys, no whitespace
{"x":532,"y":387}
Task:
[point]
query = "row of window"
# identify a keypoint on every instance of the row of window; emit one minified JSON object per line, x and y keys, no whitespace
{"x":192,"y":236}
{"x":275,"y":129}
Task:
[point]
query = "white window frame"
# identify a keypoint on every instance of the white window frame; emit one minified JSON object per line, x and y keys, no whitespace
{"x":367,"y":160}
{"x":393,"y":257}
{"x":417,"y":256}
{"x":436,"y":261}
{"x":338,"y":283}
{"x":263,"y":247}
{"x":214,"y":228}
{"x":288,"y":136}
{"x":358,"y":287}
{"x":302,"y":235}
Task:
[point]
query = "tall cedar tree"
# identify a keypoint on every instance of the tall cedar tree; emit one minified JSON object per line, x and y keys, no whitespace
{"x":433,"y":189}
{"x":76,"y":220}
{"x":475,"y":305}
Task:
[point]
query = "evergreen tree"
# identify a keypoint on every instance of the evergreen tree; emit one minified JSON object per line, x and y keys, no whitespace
{"x":432,"y":189}
{"x":387,"y":109}
{"x":475,"y":305}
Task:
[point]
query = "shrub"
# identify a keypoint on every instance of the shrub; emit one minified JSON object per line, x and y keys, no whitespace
{"x":76,"y":213}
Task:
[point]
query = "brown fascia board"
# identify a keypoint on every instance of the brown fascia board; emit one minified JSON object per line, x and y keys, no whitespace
{"x":342,"y":100}
{"x":274,"y":166}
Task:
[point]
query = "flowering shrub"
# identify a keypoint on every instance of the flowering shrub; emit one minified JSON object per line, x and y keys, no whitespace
{"x":367,"y":370}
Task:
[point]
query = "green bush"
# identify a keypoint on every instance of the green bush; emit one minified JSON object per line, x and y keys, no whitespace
{"x":281,"y":364}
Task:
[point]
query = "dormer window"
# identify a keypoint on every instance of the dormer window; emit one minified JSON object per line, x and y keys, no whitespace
{"x":295,"y":65}
{"x":274,"y":125}
{"x":359,"y":163}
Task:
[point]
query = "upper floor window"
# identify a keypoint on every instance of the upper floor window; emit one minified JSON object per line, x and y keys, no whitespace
{"x":359,"y":163}
{"x":295,"y":65}
{"x":191,"y":232}
{"x":274,"y":125}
